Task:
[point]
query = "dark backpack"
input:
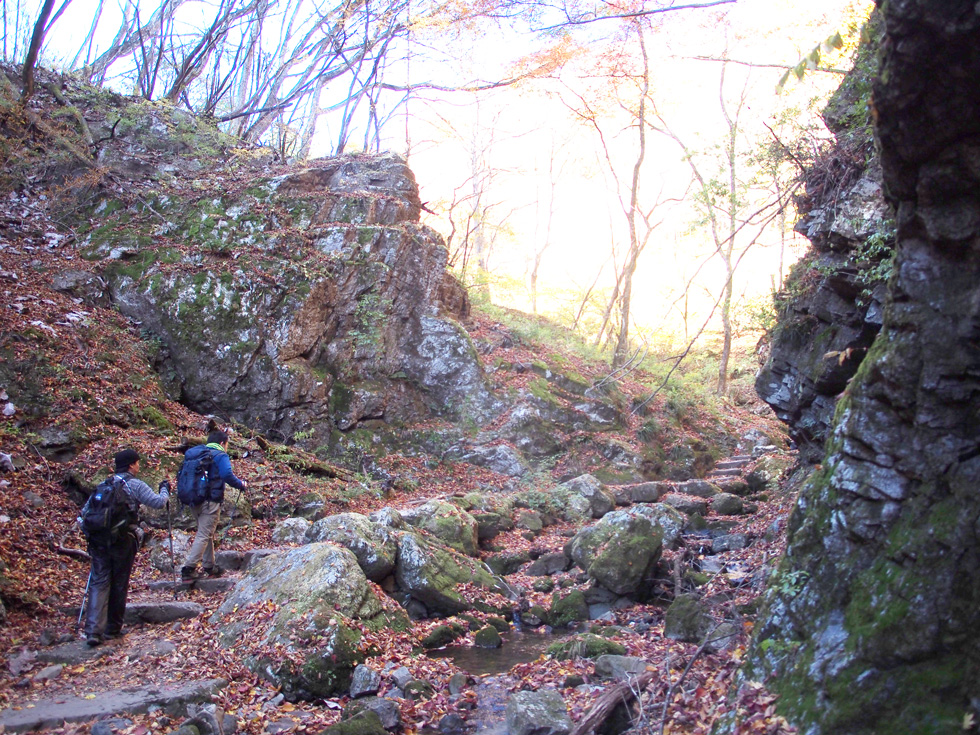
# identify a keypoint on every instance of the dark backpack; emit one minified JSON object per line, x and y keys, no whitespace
{"x":194,"y":476}
{"x":110,"y":509}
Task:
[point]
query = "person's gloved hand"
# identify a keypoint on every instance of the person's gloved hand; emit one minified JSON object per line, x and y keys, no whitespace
{"x":164,"y":485}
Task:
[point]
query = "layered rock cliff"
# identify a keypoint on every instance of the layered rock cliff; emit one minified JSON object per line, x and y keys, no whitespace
{"x":871,"y":623}
{"x":302,"y":302}
{"x":831,"y":309}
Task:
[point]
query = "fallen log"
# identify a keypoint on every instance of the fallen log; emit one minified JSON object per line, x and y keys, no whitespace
{"x":623,"y":692}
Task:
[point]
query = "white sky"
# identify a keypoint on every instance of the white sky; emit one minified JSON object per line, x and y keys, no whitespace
{"x":588,"y":215}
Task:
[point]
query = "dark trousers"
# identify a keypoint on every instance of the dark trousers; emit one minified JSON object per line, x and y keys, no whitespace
{"x":112,"y":563}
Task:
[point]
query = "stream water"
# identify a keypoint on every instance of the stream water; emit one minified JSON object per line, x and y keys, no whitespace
{"x":490,"y":666}
{"x":519,"y":647}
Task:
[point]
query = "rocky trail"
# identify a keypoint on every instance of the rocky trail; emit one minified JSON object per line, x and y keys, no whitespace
{"x":153,"y":679}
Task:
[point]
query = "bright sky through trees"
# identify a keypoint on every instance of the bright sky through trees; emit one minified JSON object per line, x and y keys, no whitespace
{"x":536,"y":171}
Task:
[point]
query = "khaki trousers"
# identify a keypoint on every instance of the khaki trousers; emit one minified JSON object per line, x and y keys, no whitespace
{"x":206,"y":514}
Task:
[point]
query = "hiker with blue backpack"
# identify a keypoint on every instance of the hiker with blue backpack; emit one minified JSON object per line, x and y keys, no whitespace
{"x":110,"y":521}
{"x":201,"y":485}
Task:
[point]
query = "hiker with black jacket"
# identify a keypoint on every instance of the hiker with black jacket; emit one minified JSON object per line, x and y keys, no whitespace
{"x":206,"y":513}
{"x":114,"y":551}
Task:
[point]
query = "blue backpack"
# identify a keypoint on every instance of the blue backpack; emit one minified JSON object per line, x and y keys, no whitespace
{"x":194,"y":476}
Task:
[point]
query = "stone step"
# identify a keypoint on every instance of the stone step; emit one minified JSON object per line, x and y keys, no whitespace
{"x":724,"y":473}
{"x":51,"y":713}
{"x":164,"y":611}
{"x":729,"y":464}
{"x":206,"y":585}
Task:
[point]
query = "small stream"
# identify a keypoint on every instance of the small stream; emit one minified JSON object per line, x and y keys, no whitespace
{"x":489,"y":666}
{"x":519,"y":647}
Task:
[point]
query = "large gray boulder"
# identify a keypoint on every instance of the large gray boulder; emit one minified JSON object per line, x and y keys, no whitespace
{"x":372,"y":544}
{"x":620,"y":552}
{"x":537,"y":713}
{"x":448,"y":523}
{"x":291,"y":531}
{"x":310,"y":645}
{"x":598,"y":500}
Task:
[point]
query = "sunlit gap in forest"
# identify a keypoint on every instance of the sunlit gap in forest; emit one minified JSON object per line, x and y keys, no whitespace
{"x":611,"y":173}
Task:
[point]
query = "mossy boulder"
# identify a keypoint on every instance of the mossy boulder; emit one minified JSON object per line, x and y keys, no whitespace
{"x":767,"y":472}
{"x":507,"y":562}
{"x":568,"y":609}
{"x":365,"y":722}
{"x":385,"y":709}
{"x":320,"y":597}
{"x":529,"y":520}
{"x":620,"y":552}
{"x":451,"y":525}
{"x":442,"y":635}
{"x":586,"y":645}
{"x":687,"y":504}
{"x":686,"y":620}
{"x":726,"y":504}
{"x":432,"y":574}
{"x":490,"y":525}
{"x":487,"y":637}
{"x":600,"y":500}
{"x":372,"y":544}
{"x":670,"y":520}
{"x":416,"y":690}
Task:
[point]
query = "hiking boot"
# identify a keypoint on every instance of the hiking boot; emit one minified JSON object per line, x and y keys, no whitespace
{"x":93,"y":640}
{"x":189,"y":574}
{"x":214,"y":571}
{"x":112,"y":635}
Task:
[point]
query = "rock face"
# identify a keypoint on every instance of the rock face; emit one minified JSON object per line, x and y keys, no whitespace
{"x":873,"y":621}
{"x":831,"y":308}
{"x":308,"y":301}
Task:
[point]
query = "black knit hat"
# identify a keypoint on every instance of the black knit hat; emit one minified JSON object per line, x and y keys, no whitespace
{"x":125,"y":459}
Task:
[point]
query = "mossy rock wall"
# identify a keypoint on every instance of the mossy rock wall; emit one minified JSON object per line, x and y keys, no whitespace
{"x":872,"y":622}
{"x":830,"y":308}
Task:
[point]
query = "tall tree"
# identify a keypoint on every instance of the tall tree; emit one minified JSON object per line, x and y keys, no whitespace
{"x":37,"y":38}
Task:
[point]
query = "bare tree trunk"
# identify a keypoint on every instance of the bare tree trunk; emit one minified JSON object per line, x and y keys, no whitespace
{"x":727,"y":248}
{"x":37,"y":38}
{"x":629,"y":267}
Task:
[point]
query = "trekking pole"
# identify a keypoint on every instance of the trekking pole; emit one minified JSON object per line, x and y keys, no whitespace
{"x":81,"y":612}
{"x":170,"y":533}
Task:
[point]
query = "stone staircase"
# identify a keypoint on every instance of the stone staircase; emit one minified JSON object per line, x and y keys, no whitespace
{"x":729,"y":469}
